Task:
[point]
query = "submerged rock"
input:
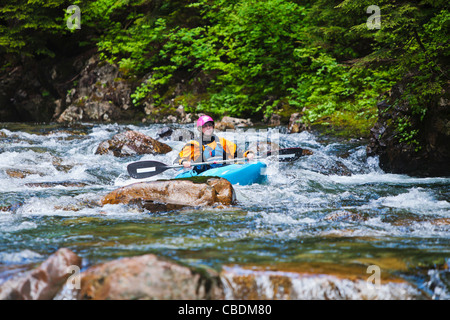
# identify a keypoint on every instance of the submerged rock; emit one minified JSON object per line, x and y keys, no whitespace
{"x":197,"y":191}
{"x":131,"y":143}
{"x":43,"y":282}
{"x":148,"y":277}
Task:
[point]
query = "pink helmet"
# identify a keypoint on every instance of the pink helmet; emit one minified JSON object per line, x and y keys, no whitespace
{"x":204,"y":119}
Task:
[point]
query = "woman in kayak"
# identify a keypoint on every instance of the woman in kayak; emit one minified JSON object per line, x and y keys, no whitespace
{"x":209,"y":146}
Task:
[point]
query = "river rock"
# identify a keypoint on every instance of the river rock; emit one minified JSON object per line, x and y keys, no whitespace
{"x":429,"y":154}
{"x":165,"y":132}
{"x":19,"y":174}
{"x":197,"y":191}
{"x":182,"y":135}
{"x":295,"y":123}
{"x":131,"y":143}
{"x":43,"y":282}
{"x":148,"y":277}
{"x":312,"y":282}
{"x":232,"y":123}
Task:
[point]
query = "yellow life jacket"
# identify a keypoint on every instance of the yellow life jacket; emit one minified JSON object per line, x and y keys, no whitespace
{"x":216,"y":148}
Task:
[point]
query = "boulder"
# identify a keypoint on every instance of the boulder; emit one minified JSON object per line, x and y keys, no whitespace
{"x":148,"y":277}
{"x":131,"y":143}
{"x":43,"y":282}
{"x":232,"y":123}
{"x":197,"y":191}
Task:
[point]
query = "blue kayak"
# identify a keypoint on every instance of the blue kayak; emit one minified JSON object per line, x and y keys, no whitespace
{"x":242,"y":174}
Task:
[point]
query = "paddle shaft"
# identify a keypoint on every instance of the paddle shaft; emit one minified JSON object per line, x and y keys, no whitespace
{"x":141,"y":170}
{"x":149,"y":169}
{"x":145,"y":169}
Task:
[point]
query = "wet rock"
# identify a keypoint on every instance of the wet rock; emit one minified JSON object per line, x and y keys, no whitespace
{"x":197,"y":191}
{"x":11,"y":208}
{"x":295,"y":123}
{"x":441,"y":221}
{"x":312,"y":282}
{"x":131,"y":143}
{"x":165,"y":132}
{"x":182,"y":135}
{"x":19,"y":174}
{"x":148,"y":277}
{"x":179,"y":134}
{"x":428,"y":152}
{"x":43,"y":282}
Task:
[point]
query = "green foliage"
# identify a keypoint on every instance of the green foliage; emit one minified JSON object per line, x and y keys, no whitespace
{"x":413,"y":39}
{"x":406,"y":133}
{"x":249,"y":57}
{"x":26,"y":27}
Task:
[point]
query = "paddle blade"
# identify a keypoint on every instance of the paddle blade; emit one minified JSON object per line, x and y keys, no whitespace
{"x":288,"y":154}
{"x":146,"y":169}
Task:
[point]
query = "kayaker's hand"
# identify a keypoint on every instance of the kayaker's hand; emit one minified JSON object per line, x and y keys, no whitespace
{"x":250,"y":156}
{"x":186,"y":164}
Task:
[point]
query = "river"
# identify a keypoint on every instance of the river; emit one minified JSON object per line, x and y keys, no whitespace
{"x":333,"y":207}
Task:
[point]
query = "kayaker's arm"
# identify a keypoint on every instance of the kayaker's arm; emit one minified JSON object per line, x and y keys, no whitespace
{"x":186,"y":163}
{"x":234,"y":152}
{"x":190,"y":152}
{"x":249,"y":155}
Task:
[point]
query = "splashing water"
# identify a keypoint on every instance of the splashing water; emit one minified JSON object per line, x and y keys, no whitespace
{"x":335,"y":206}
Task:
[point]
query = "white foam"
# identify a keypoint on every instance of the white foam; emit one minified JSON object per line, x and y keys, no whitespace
{"x":385,"y":178}
{"x":24,"y":256}
{"x":416,"y":200}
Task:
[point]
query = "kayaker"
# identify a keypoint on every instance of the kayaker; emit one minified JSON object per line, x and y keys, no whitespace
{"x":208,"y":146}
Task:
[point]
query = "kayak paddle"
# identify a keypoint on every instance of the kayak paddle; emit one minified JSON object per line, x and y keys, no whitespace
{"x":146,"y":169}
{"x":288,"y":154}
